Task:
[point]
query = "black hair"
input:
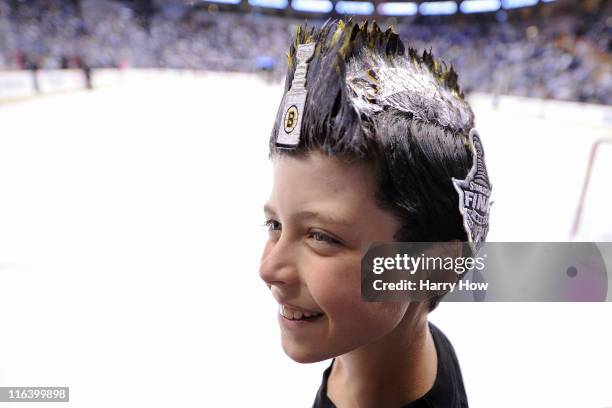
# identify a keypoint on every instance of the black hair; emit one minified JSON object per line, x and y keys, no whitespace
{"x":371,"y":99}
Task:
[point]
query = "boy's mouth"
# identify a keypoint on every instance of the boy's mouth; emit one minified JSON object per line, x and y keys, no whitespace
{"x":292,"y":313}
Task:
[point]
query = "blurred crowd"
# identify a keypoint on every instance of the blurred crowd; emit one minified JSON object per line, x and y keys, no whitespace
{"x":566,"y":57}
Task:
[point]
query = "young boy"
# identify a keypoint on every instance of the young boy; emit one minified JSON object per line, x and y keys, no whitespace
{"x":368,"y":145}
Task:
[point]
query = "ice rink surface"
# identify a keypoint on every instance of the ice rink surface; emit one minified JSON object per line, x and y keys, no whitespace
{"x":130,"y":240}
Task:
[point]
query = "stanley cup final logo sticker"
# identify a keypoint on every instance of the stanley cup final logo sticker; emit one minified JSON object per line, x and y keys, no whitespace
{"x":474,"y":195}
{"x":288,"y":135}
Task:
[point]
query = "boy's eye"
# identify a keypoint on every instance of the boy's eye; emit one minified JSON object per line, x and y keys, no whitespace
{"x":274,"y":225}
{"x":271,"y":224}
{"x":318,"y":236}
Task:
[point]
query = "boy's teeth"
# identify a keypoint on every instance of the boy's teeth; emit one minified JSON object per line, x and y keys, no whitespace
{"x":296,"y":314}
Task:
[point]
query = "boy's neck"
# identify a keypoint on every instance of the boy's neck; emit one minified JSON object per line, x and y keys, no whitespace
{"x":390,"y":372}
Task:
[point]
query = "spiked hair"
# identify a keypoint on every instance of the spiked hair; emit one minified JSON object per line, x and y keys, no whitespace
{"x":369,"y":99}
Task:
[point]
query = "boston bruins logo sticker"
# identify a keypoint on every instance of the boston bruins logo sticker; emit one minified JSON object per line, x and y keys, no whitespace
{"x":288,"y":132}
{"x":291,"y":119}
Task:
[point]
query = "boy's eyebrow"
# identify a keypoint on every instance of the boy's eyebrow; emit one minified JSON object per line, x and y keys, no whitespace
{"x":327,"y":218}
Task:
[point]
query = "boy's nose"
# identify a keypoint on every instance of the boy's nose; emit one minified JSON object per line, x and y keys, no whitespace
{"x":278,"y":264}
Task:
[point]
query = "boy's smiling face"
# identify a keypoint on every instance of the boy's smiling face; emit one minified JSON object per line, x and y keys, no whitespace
{"x":321,"y":214}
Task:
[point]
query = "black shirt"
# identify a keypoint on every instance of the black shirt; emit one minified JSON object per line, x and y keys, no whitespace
{"x":447,"y":391}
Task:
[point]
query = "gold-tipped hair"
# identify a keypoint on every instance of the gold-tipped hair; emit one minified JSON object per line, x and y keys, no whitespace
{"x":349,"y":37}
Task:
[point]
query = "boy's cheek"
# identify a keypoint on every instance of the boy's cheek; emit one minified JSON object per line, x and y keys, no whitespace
{"x":334,"y":287}
{"x":338,"y":294}
{"x":341,"y":301}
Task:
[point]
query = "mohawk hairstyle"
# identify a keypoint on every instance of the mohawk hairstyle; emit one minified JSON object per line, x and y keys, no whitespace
{"x":369,"y":99}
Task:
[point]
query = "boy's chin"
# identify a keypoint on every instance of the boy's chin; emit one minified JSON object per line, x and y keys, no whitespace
{"x":304,"y":354}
